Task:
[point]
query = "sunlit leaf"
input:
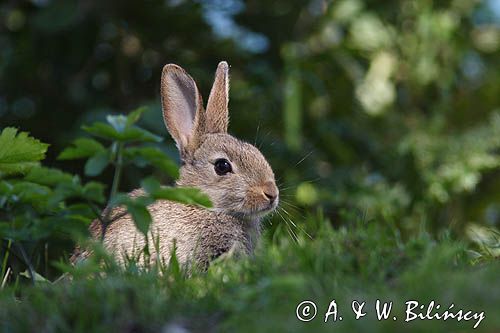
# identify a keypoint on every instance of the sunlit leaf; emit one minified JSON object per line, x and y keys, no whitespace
{"x":19,"y":152}
{"x":135,"y":115}
{"x":186,"y":195}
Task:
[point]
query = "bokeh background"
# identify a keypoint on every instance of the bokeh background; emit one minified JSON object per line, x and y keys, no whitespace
{"x":388,"y":110}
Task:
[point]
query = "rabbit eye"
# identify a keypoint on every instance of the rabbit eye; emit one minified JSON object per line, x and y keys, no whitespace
{"x":222,"y":166}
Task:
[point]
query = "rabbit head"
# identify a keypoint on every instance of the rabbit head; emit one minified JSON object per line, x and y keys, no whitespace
{"x":234,"y":174}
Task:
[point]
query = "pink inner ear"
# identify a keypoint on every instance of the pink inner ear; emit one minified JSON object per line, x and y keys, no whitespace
{"x":181,"y":103}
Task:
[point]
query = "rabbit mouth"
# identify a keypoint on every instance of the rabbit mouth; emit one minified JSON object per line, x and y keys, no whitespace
{"x":264,"y":210}
{"x":254,"y":212}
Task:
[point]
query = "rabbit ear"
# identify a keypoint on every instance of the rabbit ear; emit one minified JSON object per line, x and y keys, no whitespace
{"x":182,"y":105}
{"x":217,"y":114}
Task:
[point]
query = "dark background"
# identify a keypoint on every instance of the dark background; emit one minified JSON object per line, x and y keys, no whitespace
{"x":384,"y":109}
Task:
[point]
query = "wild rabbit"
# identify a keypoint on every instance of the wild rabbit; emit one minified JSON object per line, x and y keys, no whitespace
{"x":234,"y":174}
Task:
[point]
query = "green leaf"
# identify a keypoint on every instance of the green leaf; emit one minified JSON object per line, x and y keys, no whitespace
{"x":48,"y":176}
{"x":140,"y":214}
{"x":185,"y":195}
{"x":21,"y":191}
{"x":129,"y":134}
{"x":18,"y":154}
{"x":154,"y":156}
{"x":96,"y":164}
{"x":137,"y":207}
{"x":93,"y":191}
{"x":82,"y":147}
{"x":135,"y":115}
{"x":38,"y":278}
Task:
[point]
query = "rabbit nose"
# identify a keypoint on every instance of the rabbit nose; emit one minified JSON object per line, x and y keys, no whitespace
{"x":270,"y":191}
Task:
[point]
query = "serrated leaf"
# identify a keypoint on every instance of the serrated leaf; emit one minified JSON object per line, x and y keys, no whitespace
{"x":82,"y":147}
{"x":155,"y":157}
{"x":19,"y":152}
{"x":96,"y":164}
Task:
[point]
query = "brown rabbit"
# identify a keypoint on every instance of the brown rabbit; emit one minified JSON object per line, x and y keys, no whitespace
{"x":234,"y":174}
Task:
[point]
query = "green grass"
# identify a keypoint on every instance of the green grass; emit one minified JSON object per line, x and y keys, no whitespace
{"x":363,"y":262}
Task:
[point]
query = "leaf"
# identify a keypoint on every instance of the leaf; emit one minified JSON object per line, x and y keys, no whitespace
{"x":47,"y":176}
{"x":137,"y":207}
{"x":18,"y":154}
{"x":155,"y":157}
{"x":82,"y":147}
{"x":21,"y":191}
{"x":141,"y":216}
{"x":135,"y":115}
{"x":96,"y":164}
{"x":129,"y":134}
{"x":118,"y":122}
{"x":185,"y":195}
{"x":37,"y":277}
{"x":93,"y":191}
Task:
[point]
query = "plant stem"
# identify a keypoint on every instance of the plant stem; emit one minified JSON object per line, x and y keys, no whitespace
{"x":26,"y":260}
{"x":118,"y":172}
{"x":114,"y":186}
{"x":6,"y":257}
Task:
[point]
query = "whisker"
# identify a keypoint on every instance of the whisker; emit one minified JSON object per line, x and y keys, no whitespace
{"x":256,"y":134}
{"x":286,"y":188}
{"x":290,"y":230}
{"x":290,"y":204}
{"x":303,"y":158}
{"x":295,"y":225}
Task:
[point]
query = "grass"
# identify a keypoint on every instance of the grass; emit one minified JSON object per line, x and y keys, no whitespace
{"x":365,"y":262}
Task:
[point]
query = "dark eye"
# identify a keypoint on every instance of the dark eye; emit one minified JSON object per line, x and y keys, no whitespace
{"x":222,"y":166}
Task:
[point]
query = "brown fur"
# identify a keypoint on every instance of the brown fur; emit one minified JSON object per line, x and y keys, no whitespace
{"x":239,"y":198}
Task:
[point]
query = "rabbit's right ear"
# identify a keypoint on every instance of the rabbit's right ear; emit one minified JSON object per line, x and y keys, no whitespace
{"x":182,"y":105}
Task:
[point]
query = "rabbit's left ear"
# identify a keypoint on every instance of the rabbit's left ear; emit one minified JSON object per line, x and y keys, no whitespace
{"x":217,"y":113}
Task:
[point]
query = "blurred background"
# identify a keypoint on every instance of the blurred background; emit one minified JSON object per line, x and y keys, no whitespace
{"x":388,"y":110}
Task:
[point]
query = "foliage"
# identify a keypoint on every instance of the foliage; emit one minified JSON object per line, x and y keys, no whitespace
{"x":400,"y":124}
{"x":41,"y":206}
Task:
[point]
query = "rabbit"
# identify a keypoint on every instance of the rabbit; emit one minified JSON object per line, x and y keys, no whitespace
{"x":234,"y":174}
